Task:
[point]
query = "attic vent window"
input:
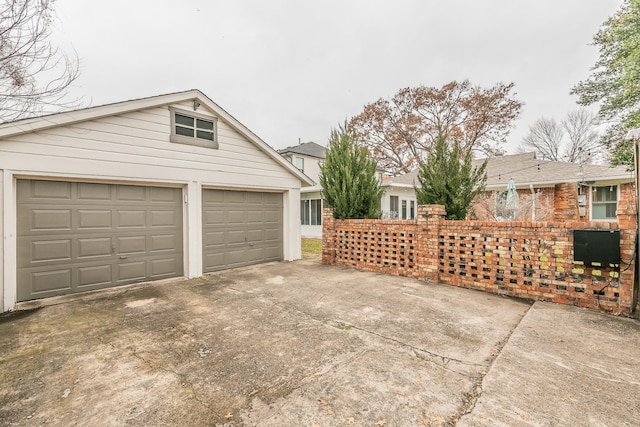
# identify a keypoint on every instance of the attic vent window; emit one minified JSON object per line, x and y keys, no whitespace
{"x":193,"y":129}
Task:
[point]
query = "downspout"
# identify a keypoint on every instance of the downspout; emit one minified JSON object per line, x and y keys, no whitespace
{"x":533,"y":203}
{"x":636,"y":286}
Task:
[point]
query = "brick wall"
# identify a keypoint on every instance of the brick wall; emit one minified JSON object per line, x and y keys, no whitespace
{"x":364,"y":244}
{"x":557,"y":203}
{"x":565,"y":202}
{"x":531,"y":260}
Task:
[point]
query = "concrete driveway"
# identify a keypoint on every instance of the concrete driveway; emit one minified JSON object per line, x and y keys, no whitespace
{"x":302,"y":344}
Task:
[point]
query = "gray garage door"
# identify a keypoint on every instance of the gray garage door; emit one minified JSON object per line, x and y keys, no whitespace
{"x":75,"y":237}
{"x":240,"y":228}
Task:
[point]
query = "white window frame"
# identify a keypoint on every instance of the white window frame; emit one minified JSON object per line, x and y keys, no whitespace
{"x":307,"y":211}
{"x":394,"y":214}
{"x":298,"y":162}
{"x":593,"y":202}
{"x":193,"y":140}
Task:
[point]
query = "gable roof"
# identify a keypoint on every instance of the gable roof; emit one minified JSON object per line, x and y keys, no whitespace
{"x":310,"y":149}
{"x":526,"y":169}
{"x":20,"y":127}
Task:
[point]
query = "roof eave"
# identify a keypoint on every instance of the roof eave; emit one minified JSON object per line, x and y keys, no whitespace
{"x":620,"y":178}
{"x":396,"y":184}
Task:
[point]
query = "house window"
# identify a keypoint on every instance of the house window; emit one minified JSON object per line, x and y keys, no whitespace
{"x":412,"y":209}
{"x":299,"y":163}
{"x":393,"y":207}
{"x":404,"y":209}
{"x":605,"y":202}
{"x":193,"y":129}
{"x":311,"y":212}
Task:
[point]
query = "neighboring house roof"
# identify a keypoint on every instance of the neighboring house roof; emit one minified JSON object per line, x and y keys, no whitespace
{"x":408,"y":179}
{"x":34,"y":124}
{"x":310,"y":149}
{"x":526,"y":169}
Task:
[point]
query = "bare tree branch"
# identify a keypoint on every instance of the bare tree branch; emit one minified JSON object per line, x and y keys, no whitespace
{"x":574,"y":139}
{"x":583,"y":143}
{"x":401,"y":133}
{"x":545,"y":136}
{"x":34,"y":75}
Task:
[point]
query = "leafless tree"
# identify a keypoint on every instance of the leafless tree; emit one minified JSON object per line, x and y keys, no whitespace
{"x":545,"y":137}
{"x":583,"y":141}
{"x":34,"y":75}
{"x":574,"y":139}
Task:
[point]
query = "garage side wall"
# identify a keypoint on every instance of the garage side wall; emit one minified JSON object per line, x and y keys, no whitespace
{"x":2,"y":238}
{"x":291,"y":225}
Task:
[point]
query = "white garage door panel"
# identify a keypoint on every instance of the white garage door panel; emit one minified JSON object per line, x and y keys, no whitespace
{"x":75,"y":237}
{"x":240,"y":228}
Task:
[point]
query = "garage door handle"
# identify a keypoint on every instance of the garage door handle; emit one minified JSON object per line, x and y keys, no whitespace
{"x":123,"y":257}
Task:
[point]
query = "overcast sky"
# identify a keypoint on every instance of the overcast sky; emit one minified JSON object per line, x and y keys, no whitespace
{"x":294,"y":69}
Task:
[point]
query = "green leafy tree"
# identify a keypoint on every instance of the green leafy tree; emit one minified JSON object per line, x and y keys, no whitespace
{"x":448,"y":178}
{"x":615,"y":80}
{"x":348,"y":177}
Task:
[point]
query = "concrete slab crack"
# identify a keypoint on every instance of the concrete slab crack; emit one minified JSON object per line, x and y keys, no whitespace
{"x":435,"y":358}
{"x":182,"y":378}
{"x":440,"y":360}
{"x":470,"y":398}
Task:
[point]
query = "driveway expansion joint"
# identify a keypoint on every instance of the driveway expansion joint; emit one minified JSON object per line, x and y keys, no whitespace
{"x":471,"y":397}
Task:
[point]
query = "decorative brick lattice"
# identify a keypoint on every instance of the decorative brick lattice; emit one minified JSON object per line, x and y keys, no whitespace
{"x":390,"y":251}
{"x":510,"y":262}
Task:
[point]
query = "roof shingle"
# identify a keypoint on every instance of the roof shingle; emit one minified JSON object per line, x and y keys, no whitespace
{"x":526,"y":169}
{"x":306,"y":149}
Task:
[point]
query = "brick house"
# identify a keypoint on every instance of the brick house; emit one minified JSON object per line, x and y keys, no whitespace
{"x":547,"y":190}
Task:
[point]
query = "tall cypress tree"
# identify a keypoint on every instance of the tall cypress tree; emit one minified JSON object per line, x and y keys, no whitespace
{"x":448,"y":178}
{"x":348,"y":177}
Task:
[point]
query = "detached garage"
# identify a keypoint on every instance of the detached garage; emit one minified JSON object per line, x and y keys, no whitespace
{"x":154,"y":188}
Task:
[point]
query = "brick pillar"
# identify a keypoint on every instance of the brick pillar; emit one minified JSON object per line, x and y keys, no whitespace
{"x":565,"y":202}
{"x":429,"y":218}
{"x":627,"y":221}
{"x":328,"y":236}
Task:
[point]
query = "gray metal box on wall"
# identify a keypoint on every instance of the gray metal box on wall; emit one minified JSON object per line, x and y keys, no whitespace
{"x":602,"y":246}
